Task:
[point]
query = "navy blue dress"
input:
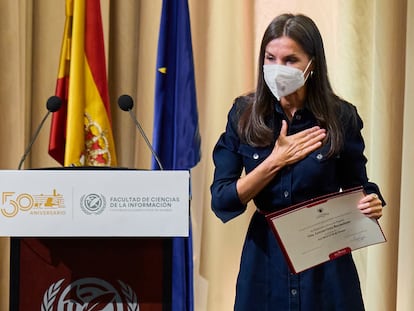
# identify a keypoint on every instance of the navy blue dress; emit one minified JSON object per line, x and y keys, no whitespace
{"x":265,"y":282}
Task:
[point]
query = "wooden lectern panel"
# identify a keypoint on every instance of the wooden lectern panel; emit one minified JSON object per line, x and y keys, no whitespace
{"x":92,"y":274}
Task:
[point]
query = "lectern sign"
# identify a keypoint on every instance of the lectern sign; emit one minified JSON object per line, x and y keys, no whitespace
{"x":94,"y":203}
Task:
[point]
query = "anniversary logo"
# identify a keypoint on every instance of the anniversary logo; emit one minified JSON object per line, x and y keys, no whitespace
{"x":13,"y":203}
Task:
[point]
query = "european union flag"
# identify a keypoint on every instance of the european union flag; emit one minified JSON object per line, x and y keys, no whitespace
{"x":176,"y":137}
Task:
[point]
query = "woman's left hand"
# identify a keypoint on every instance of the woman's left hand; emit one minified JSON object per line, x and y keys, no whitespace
{"x":371,"y":206}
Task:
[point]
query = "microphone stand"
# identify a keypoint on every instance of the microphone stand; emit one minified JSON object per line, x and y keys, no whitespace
{"x":146,"y":139}
{"x":29,"y":147}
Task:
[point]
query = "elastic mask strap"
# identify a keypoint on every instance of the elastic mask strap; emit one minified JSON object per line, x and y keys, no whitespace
{"x":307,"y":67}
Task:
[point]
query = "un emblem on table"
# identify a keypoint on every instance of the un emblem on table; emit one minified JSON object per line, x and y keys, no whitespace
{"x":89,"y":294}
{"x":92,"y":203}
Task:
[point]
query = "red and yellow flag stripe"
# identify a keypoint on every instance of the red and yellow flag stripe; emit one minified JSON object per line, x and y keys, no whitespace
{"x":81,"y":133}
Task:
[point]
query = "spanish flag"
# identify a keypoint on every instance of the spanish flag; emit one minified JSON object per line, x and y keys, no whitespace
{"x":81,"y":133}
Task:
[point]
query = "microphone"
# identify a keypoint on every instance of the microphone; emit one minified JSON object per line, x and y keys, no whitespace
{"x":53,"y":104}
{"x":126,"y":103}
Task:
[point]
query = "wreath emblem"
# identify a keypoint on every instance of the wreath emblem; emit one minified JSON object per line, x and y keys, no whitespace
{"x":89,"y":294}
{"x":92,"y":203}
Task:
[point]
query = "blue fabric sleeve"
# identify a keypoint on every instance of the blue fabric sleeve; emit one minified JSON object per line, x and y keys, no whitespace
{"x":225,"y":201}
{"x":352,"y":162}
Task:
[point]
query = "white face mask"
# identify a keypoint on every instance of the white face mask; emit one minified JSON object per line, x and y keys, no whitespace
{"x":284,"y":80}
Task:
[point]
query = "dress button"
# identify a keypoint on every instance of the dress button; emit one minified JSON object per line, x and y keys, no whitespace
{"x":255,"y":156}
{"x":298,"y":117}
{"x":286,"y":193}
{"x":293,"y":292}
{"x":319,"y":156}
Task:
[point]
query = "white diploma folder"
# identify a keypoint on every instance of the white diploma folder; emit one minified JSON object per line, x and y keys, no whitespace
{"x":323,"y":229}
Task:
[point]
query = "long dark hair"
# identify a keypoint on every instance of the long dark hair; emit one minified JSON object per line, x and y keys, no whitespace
{"x":321,"y":100}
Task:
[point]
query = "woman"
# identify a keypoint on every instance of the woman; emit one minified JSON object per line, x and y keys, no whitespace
{"x":296,"y":140}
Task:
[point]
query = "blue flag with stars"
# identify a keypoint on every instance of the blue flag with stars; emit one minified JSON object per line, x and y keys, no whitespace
{"x":176,"y":137}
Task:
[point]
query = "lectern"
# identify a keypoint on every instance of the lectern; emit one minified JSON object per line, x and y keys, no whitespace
{"x":92,"y":239}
